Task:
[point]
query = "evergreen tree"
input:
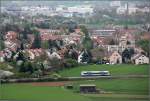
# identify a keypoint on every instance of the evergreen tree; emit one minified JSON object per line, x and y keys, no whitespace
{"x":20,"y":56}
{"x":21,"y":46}
{"x":87,"y":56}
{"x":2,"y":45}
{"x":26,"y":67}
{"x":37,"y":40}
{"x":86,"y":42}
{"x":127,"y":54}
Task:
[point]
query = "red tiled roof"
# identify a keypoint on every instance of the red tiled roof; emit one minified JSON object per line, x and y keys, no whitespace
{"x":48,"y":31}
{"x":146,"y":36}
{"x":36,"y":52}
{"x":11,"y":35}
{"x":50,"y":37}
{"x":1,"y":53}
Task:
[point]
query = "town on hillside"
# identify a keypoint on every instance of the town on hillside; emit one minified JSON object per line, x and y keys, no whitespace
{"x":74,"y":50}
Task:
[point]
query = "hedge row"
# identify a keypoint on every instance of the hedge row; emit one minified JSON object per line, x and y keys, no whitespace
{"x":26,"y":80}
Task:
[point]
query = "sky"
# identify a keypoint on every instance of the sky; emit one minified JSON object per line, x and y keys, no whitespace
{"x":60,"y":2}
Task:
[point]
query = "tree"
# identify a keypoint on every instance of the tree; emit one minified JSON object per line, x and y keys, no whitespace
{"x":71,"y":53}
{"x":20,"y":56}
{"x":128,"y":43}
{"x":55,"y":63}
{"x":53,"y":44}
{"x":22,"y":68}
{"x":10,"y":27}
{"x":30,"y":68}
{"x":86,"y":56}
{"x":144,"y":44}
{"x":98,"y":54}
{"x":45,"y":44}
{"x":74,"y":55}
{"x":70,"y":25}
{"x":26,"y":67}
{"x":127,"y":54}
{"x":70,"y":63}
{"x":84,"y":30}
{"x":50,"y":44}
{"x":2,"y":45}
{"x":22,"y":46}
{"x":112,"y":42}
{"x":24,"y":33}
{"x":37,"y":40}
{"x":86,"y":42}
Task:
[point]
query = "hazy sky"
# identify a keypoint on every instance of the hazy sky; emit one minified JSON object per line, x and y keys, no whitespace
{"x":60,"y":2}
{"x":49,"y":3}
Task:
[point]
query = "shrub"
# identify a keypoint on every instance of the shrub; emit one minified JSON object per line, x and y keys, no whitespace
{"x":70,"y":63}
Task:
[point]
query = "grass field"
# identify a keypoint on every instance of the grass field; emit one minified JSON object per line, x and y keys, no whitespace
{"x":131,"y":89}
{"x":27,"y":92}
{"x":122,"y":69}
{"x":126,"y":86}
{"x":121,"y":90}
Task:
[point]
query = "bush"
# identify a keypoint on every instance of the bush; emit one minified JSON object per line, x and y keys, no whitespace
{"x":55,"y":75}
{"x":70,"y":63}
{"x":21,"y":75}
{"x":3,"y":66}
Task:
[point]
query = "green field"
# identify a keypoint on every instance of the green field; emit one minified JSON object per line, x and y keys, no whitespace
{"x":126,"y":86}
{"x":127,"y":90}
{"x":114,"y":69}
{"x":131,"y":89}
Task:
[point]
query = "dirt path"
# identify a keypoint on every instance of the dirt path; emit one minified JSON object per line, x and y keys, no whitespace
{"x":50,"y":83}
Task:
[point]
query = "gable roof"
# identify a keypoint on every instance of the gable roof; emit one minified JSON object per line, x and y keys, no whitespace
{"x":136,"y":56}
{"x":115,"y":52}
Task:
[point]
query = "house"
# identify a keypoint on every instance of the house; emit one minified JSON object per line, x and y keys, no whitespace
{"x":138,"y":50}
{"x":53,"y":55}
{"x":80,"y":57}
{"x":140,"y":59}
{"x":49,"y":31}
{"x":11,"y":45}
{"x":115,"y":58}
{"x":46,"y":36}
{"x":103,"y":32}
{"x":7,"y":53}
{"x":145,"y":36}
{"x":123,"y":40}
{"x":62,"y":52}
{"x":78,"y":31}
{"x":126,"y":8}
{"x":11,"y":35}
{"x":84,"y":57}
{"x":112,"y":48}
{"x":97,"y":41}
{"x":33,"y":53}
{"x":127,"y":39}
{"x":98,"y":53}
